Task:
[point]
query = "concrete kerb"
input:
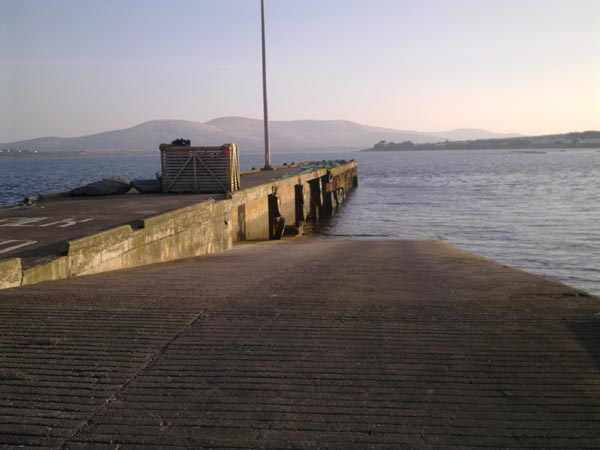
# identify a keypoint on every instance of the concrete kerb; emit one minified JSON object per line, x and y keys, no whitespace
{"x":175,"y":221}
{"x":56,"y":269}
{"x":189,"y":231}
{"x":100,"y":251}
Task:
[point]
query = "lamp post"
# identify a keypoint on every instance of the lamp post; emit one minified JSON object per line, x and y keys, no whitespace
{"x":268,"y":165}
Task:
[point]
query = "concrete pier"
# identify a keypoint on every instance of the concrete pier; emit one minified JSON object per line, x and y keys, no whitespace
{"x":72,"y":236}
{"x":308,"y":343}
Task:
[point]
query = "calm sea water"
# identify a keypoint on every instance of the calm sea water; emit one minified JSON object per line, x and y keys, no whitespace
{"x":538,"y":211}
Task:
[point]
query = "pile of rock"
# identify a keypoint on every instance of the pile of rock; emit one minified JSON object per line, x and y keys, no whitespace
{"x":106,"y":186}
{"x":110,"y":186}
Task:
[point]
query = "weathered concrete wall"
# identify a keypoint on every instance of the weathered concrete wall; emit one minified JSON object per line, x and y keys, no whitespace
{"x":253,"y":203}
{"x":53,"y":270}
{"x":256,"y":219}
{"x":10,"y":273}
{"x":193,"y":231}
{"x":204,"y":228}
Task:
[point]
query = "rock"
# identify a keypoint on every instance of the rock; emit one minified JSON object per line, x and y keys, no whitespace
{"x":106,"y":186}
{"x":52,"y":195}
{"x":146,"y":186}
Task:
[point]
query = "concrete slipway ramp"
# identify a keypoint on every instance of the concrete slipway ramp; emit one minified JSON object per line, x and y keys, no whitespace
{"x":309,"y":343}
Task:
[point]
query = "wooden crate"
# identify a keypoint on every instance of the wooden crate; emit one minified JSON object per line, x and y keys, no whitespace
{"x":200,"y":169}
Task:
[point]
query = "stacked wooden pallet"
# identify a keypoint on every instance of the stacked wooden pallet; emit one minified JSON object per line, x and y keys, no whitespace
{"x":200,"y":169}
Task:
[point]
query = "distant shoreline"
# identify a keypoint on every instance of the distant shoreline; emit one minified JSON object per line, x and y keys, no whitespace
{"x":566,"y":141}
{"x":426,"y":147}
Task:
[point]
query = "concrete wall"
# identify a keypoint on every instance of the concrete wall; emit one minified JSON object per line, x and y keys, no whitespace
{"x":337,"y":180}
{"x":10,"y":273}
{"x":204,"y":228}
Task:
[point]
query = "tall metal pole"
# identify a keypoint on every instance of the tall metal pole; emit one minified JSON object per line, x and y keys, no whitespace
{"x":268,"y":165}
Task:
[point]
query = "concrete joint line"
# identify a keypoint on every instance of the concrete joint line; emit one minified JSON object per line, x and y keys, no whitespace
{"x":161,"y":351}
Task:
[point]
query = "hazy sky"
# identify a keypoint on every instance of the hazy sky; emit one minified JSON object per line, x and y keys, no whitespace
{"x":74,"y":67}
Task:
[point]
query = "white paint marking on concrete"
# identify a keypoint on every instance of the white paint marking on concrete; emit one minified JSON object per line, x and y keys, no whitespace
{"x":65,"y":222}
{"x":21,"y":221}
{"x":34,"y":222}
{"x":15,"y":246}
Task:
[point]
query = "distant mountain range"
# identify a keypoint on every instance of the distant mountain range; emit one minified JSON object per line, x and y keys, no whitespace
{"x":296,"y":135}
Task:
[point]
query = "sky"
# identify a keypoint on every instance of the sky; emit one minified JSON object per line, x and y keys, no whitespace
{"x":76,"y":67}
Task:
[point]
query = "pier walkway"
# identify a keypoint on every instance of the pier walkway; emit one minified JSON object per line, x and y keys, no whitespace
{"x":38,"y":233}
{"x":310,"y":343}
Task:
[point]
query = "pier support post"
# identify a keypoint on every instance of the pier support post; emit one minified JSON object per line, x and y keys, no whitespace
{"x":276,"y":220}
{"x":316,"y":199}
{"x":299,"y":199}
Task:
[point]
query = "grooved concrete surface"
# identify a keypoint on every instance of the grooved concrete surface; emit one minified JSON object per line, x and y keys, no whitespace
{"x":314,"y":343}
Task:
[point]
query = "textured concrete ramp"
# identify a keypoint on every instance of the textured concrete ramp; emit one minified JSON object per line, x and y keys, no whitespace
{"x":307,"y":344}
